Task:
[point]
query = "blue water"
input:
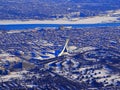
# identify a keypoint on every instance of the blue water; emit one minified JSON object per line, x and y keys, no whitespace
{"x":32,"y":26}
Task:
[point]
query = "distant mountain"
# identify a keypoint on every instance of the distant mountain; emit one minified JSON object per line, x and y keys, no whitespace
{"x":47,"y":9}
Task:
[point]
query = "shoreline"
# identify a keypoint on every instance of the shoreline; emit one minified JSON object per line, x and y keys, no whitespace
{"x":110,"y":17}
{"x":90,"y":20}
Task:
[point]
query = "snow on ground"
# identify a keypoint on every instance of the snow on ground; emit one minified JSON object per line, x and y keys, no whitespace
{"x":107,"y":18}
{"x":114,"y":12}
{"x":72,"y":47}
{"x":13,"y":75}
{"x":84,"y":49}
{"x":8,"y":57}
{"x":93,"y":20}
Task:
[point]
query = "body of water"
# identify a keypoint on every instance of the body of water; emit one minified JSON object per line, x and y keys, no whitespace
{"x":32,"y":26}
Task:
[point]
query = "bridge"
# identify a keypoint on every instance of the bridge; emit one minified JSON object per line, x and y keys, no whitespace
{"x":65,"y":49}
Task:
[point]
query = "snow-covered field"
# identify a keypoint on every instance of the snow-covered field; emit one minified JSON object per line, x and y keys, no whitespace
{"x":107,"y":18}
